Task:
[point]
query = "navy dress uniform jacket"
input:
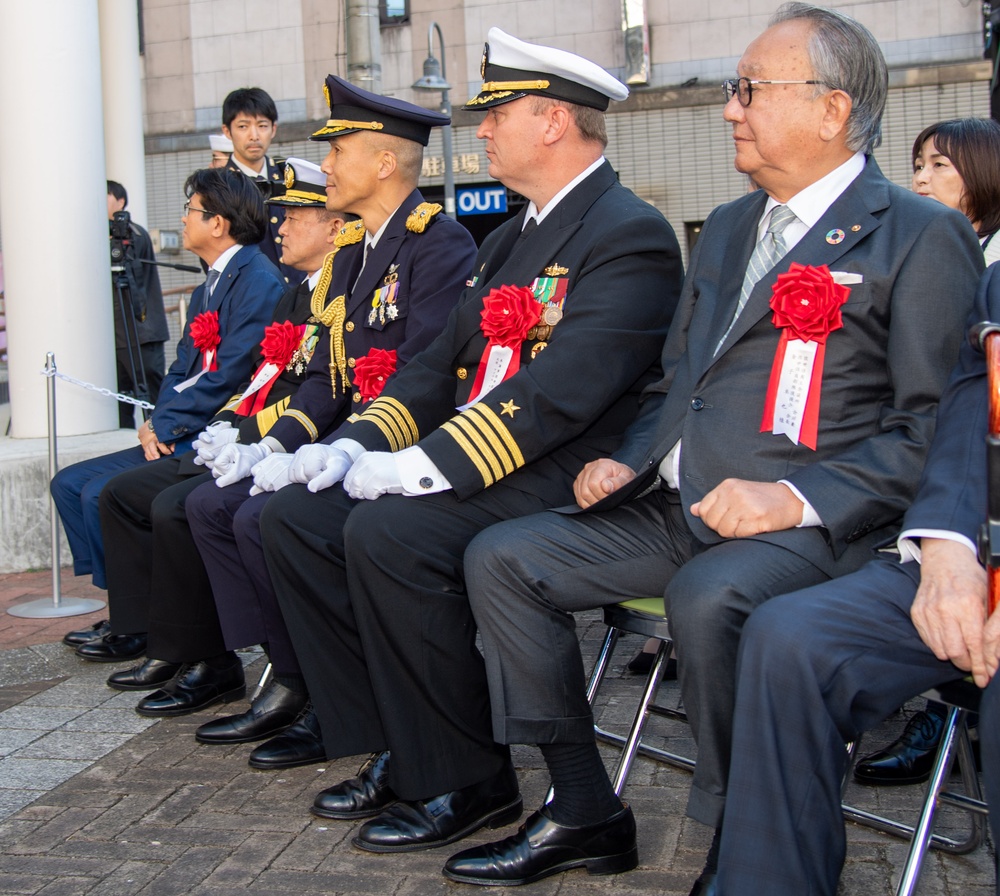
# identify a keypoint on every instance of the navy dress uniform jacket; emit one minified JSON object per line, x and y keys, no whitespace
{"x":430,"y":270}
{"x":622,"y":264}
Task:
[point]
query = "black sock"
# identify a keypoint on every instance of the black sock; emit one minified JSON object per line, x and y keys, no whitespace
{"x":712,"y":859}
{"x":582,"y":791}
{"x":295,"y":683}
{"x":220,"y":661}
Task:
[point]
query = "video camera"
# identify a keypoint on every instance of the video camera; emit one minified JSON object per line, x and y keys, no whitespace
{"x":121,"y":236}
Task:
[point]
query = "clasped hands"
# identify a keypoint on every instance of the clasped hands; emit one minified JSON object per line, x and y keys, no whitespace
{"x":321,"y":466}
{"x":735,"y":508}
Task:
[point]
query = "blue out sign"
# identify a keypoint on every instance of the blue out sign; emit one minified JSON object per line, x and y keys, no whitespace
{"x":481,"y":200}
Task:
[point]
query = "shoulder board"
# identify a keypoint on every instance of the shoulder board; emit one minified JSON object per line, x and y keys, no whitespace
{"x":421,"y":216}
{"x":350,"y":234}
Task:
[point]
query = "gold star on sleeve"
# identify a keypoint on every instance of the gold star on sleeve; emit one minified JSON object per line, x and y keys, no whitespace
{"x":508,"y":408}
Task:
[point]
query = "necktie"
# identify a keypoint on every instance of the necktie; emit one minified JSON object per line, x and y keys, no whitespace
{"x":526,"y":231}
{"x":213,"y":278}
{"x":766,"y":254}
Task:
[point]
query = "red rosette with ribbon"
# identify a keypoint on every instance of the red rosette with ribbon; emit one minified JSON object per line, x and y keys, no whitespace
{"x":277,"y":348}
{"x":372,"y":371}
{"x":206,"y":338}
{"x":508,"y":314}
{"x":806,"y":302}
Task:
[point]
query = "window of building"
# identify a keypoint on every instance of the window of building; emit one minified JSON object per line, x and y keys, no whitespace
{"x":393,"y":12}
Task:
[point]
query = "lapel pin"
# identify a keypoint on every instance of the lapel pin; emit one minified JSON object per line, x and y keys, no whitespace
{"x":855,"y":228}
{"x":835,"y":236}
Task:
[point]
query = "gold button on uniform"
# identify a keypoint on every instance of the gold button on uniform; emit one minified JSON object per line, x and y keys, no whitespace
{"x":277,"y":239}
{"x":349,"y":326}
{"x":461,"y":373}
{"x":351,"y":362}
{"x":357,"y":396}
{"x":274,"y":220}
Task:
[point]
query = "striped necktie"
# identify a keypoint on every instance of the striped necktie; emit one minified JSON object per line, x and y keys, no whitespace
{"x":766,"y":254}
{"x":213,"y":278}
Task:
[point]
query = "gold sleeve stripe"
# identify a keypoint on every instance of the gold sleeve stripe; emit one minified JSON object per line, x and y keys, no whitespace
{"x":388,"y":426}
{"x":482,"y":446}
{"x":232,"y":404}
{"x":306,"y":424}
{"x":354,"y":418}
{"x":391,"y":409}
{"x":467,"y":447}
{"x":269,"y":415}
{"x":491,"y":419}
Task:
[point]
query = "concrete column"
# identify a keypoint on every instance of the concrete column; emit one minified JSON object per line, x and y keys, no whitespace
{"x":53,"y":213}
{"x":121,"y":77}
{"x":364,"y":45}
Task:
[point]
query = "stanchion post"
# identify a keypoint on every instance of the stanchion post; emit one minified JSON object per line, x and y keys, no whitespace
{"x":45,"y":608}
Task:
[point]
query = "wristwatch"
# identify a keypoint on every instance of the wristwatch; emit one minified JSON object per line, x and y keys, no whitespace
{"x":149,"y":423}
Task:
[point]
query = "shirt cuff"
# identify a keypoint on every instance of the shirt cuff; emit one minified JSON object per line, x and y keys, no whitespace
{"x":418,"y":474}
{"x":909,"y":542}
{"x":810,"y":518}
{"x":352,"y":449}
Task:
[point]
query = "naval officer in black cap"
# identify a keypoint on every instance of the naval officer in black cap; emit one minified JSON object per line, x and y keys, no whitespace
{"x":539,"y":370}
{"x":398,"y":273}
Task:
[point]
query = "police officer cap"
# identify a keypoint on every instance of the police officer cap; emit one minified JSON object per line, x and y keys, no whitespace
{"x":353,"y":109}
{"x":512,"y":69}
{"x":305,"y":185}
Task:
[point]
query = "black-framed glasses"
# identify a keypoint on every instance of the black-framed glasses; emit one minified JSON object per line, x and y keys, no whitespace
{"x":742,"y":88}
{"x":188,"y":208}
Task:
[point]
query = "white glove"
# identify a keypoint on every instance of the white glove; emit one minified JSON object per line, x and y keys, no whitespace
{"x":271,"y":474}
{"x":375,"y":473}
{"x":311,"y":461}
{"x":235,"y":462}
{"x":212,"y":440}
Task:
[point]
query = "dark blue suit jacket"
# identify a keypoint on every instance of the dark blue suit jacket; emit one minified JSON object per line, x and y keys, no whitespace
{"x":952,"y":493}
{"x":244,"y":297}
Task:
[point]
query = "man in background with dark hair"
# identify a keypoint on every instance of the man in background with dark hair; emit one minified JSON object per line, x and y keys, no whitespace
{"x":150,"y":331}
{"x":250,"y":121}
{"x":223,"y":219}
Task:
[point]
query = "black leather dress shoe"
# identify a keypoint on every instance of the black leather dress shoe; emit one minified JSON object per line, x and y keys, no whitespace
{"x":113,"y":648}
{"x":299,"y":744}
{"x":424,"y":824}
{"x":363,"y":796}
{"x":146,"y":676}
{"x":541,"y":848}
{"x":907,"y":760}
{"x":83,"y":635}
{"x":273,"y":711}
{"x":196,"y":686}
{"x":705,"y":885}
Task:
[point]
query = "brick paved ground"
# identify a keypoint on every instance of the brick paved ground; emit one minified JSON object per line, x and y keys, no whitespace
{"x":96,"y":800}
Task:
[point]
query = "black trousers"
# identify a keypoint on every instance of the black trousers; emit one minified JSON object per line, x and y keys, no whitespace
{"x":156,"y":580}
{"x":373,"y":594}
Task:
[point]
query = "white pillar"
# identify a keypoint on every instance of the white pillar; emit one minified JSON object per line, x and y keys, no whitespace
{"x":121,"y":77}
{"x":53,"y":214}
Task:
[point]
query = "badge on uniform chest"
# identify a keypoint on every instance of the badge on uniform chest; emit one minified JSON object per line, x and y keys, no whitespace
{"x":384,"y":298}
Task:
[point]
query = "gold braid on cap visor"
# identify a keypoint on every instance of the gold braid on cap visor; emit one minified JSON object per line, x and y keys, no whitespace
{"x":498,"y":89}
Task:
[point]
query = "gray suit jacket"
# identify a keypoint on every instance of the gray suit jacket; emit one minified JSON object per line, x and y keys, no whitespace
{"x":883,"y":376}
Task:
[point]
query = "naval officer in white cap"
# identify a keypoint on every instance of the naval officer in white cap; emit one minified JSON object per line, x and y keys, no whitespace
{"x":538,"y":371}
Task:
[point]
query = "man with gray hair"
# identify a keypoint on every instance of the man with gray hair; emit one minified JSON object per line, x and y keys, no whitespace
{"x":819,"y":319}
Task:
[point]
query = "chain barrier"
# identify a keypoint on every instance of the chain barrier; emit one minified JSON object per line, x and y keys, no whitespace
{"x":117,"y":396}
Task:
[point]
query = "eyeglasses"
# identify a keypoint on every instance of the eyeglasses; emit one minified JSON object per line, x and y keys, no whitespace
{"x":742,"y":88}
{"x":188,"y":208}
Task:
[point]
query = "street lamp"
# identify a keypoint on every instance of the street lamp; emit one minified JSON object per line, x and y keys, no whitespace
{"x":435,"y":79}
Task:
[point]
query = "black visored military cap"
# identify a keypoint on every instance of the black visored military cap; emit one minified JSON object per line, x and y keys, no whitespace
{"x":353,"y":109}
{"x":305,"y":185}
